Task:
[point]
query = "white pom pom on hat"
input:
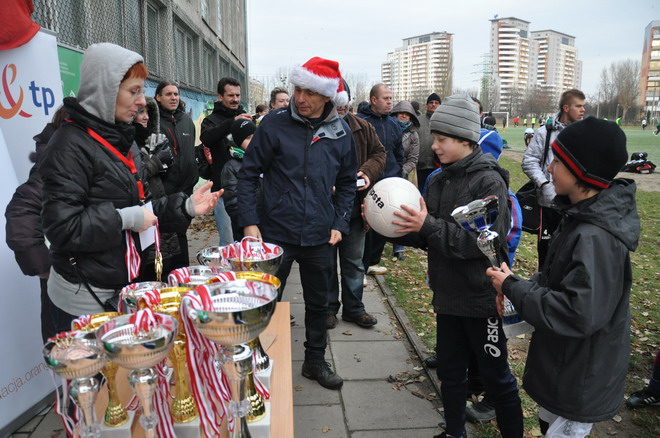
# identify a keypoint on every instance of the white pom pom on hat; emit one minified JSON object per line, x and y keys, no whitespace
{"x":321,"y":76}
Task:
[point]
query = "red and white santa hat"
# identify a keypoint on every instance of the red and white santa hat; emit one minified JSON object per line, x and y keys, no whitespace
{"x":322,"y":76}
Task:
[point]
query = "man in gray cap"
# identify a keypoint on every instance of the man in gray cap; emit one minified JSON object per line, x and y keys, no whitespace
{"x":464,"y":301}
{"x":426,"y":160}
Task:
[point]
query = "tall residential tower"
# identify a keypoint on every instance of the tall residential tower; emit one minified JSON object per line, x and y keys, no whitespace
{"x":649,"y":83}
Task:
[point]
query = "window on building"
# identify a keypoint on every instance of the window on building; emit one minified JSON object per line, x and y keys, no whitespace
{"x":209,"y":68}
{"x":204,"y":9}
{"x":218,"y":16}
{"x":152,"y":38}
{"x":186,"y":59}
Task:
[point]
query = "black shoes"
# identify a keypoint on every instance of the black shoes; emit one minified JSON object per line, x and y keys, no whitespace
{"x":431,"y":361}
{"x":322,"y":373}
{"x":364,"y":320}
{"x":480,"y":412}
{"x":331,"y":322}
{"x":642,"y":399}
{"x":398,"y":256}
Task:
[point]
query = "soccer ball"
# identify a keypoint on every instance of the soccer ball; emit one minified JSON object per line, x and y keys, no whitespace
{"x":386,"y":197}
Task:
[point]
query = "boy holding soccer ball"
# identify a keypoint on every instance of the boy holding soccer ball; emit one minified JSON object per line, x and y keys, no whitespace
{"x":463,"y":297}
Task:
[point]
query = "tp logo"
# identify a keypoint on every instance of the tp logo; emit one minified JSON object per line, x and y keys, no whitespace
{"x":47,"y":96}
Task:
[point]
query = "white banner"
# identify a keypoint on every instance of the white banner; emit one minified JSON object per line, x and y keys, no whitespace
{"x":31,"y":91}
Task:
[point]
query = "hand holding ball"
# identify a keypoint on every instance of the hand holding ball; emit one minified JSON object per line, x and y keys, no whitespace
{"x":385,"y":198}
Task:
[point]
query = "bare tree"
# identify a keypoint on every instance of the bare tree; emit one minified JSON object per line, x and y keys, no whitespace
{"x":618,"y":87}
{"x":359,"y":85}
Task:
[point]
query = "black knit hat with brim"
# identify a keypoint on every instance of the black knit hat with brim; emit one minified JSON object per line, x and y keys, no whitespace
{"x":593,"y":150}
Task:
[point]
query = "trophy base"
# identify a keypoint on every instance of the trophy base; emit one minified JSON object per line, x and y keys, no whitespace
{"x":519,"y":328}
{"x":265,"y":375}
{"x":261,"y":428}
{"x":187,"y":430}
{"x":122,"y":431}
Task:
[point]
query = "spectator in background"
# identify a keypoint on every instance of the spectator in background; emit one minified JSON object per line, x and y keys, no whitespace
{"x":426,"y":161}
{"x":181,"y":174}
{"x":415,"y":106}
{"x":408,"y":122}
{"x":279,"y":98}
{"x":528,"y":135}
{"x":216,"y":128}
{"x":260,"y":111}
{"x":24,"y":233}
{"x":390,"y":136}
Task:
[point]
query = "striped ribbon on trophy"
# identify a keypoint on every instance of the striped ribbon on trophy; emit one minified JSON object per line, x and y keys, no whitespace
{"x":209,"y":385}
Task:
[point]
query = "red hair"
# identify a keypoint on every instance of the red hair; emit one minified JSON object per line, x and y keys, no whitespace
{"x":137,"y":70}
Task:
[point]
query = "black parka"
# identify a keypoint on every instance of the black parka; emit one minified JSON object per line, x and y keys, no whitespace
{"x":180,"y":131}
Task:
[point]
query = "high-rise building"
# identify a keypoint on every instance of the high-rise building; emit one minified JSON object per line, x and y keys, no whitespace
{"x":649,"y":83}
{"x":421,"y":67}
{"x":555,"y":67}
{"x":524,"y":61}
{"x":510,"y":60}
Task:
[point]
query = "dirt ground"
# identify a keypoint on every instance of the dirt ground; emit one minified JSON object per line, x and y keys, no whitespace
{"x":647,"y":183}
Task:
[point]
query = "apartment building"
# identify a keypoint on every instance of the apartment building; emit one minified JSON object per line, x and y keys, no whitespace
{"x":555,"y":66}
{"x":649,"y":83}
{"x":420,"y":67}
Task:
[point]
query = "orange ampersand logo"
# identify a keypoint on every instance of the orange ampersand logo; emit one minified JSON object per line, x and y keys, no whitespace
{"x":14,"y":105}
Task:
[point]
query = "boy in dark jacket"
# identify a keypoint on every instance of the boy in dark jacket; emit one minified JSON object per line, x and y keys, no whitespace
{"x":241,"y":132}
{"x":579,"y":303}
{"x":463,"y":297}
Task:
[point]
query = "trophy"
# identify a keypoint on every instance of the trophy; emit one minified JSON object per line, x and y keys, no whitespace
{"x":168,"y":300}
{"x":115,"y":413}
{"x":78,"y":357}
{"x":251,"y":254}
{"x":479,"y":215}
{"x":212,"y":256}
{"x":131,"y":294}
{"x":139,"y":342}
{"x":192,"y":276}
{"x":234,"y":313}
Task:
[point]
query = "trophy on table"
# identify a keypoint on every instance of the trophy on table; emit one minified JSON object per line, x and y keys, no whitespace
{"x":139,"y":342}
{"x":78,"y":357}
{"x":115,"y":413}
{"x":478,"y":216}
{"x":232,"y":314}
{"x":131,"y":294}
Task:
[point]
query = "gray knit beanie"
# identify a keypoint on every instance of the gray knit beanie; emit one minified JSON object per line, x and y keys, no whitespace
{"x":457,"y":117}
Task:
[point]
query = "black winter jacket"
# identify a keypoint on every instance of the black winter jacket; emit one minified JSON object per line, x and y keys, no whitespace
{"x":300,"y":164}
{"x":215,"y":129}
{"x":23,"y":230}
{"x":180,"y":131}
{"x":579,"y":305}
{"x":457,"y":268}
{"x":390,"y":136}
{"x":84,"y":185}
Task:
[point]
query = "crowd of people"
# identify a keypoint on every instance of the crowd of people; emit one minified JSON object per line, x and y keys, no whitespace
{"x":114,"y":163}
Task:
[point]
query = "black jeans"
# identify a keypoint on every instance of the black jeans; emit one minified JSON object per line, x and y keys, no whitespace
{"x":458,"y":338}
{"x":315,"y":264}
{"x":374,"y":244}
{"x":61,"y":319}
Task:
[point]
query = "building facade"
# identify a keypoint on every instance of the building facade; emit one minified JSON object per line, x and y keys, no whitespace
{"x":423,"y":65}
{"x":649,"y":83}
{"x":524,"y":62}
{"x":194,"y":43}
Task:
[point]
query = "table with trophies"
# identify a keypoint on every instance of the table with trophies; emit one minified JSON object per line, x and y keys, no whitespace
{"x":190,"y":351}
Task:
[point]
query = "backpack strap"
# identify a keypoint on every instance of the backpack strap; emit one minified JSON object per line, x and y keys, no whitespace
{"x":546,"y":149}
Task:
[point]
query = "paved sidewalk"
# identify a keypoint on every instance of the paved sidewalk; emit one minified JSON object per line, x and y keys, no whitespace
{"x":375,"y":363}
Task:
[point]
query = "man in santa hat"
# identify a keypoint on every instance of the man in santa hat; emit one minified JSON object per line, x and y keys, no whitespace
{"x":307,"y":157}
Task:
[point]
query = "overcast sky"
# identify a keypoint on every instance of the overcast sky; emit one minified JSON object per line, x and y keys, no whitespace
{"x":359,"y":33}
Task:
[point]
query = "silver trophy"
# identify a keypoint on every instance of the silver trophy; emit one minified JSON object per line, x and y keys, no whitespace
{"x":241,"y":311}
{"x":130,"y":295}
{"x":478,"y":216}
{"x":264,"y":257}
{"x":139,"y":351}
{"x":197,"y":275}
{"x":78,"y":357}
{"x":212,"y":256}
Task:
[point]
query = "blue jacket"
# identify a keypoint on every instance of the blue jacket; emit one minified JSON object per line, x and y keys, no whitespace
{"x":300,"y":164}
{"x":390,"y":135}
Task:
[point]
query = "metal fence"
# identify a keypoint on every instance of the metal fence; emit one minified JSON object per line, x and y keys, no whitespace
{"x":173,"y":47}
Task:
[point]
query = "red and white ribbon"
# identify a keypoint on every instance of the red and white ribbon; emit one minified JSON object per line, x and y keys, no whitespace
{"x":209,"y":385}
{"x":132,"y":257}
{"x":179,"y":276}
{"x":165,"y":426}
{"x":81,"y":322}
{"x":250,"y":248}
{"x":143,"y":320}
{"x":62,"y":406}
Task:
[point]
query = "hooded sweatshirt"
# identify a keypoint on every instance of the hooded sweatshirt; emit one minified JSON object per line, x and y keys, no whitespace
{"x":579,"y":305}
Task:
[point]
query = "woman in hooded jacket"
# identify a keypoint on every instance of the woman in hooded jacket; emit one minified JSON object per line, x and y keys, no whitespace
{"x":407,"y":117}
{"x":96,"y":193}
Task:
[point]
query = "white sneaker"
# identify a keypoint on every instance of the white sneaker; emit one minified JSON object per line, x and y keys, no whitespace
{"x":377,"y":270}
{"x":365,"y":282}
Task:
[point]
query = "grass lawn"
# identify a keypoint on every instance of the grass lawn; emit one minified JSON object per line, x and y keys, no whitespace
{"x":407,"y":281}
{"x":638,"y":140}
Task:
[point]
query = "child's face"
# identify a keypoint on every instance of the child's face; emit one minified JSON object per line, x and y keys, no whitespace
{"x":562,"y":178}
{"x":448,"y":149}
{"x":246,"y":142}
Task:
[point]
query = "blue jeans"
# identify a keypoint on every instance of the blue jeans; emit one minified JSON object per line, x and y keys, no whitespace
{"x":397,"y":248}
{"x":350,"y":250}
{"x":223,"y":222}
{"x":460,"y":337}
{"x":315,"y":268}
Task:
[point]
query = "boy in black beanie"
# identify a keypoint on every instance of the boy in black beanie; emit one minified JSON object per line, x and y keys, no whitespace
{"x":579,"y":305}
